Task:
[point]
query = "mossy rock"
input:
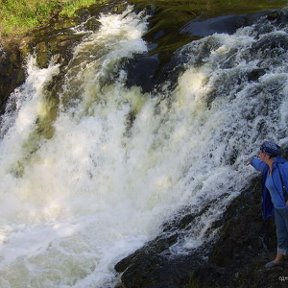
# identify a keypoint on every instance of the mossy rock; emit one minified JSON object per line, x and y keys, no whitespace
{"x":12,"y":74}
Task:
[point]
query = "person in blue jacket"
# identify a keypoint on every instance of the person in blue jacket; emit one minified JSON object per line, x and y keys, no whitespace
{"x":274,"y":170}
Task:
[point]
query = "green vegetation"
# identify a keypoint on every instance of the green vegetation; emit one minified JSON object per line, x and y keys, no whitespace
{"x":70,"y":7}
{"x":19,"y":16}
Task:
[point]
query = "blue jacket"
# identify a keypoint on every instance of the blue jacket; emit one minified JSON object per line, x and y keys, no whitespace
{"x":280,"y":165}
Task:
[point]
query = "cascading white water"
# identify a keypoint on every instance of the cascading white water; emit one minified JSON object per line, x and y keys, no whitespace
{"x":99,"y":187}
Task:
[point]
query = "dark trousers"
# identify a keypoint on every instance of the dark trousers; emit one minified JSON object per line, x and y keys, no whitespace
{"x":281,"y":221}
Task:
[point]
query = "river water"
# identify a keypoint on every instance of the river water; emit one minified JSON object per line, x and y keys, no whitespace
{"x":101,"y":183}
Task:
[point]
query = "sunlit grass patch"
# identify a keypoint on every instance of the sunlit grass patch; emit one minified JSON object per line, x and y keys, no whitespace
{"x":18,"y":17}
{"x":70,"y":7}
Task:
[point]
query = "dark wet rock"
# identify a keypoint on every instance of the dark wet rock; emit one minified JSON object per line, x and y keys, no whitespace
{"x":222,"y":24}
{"x":12,"y":73}
{"x":273,"y":16}
{"x":155,"y":264}
{"x":171,"y":274}
{"x":58,"y":45}
{"x":83,"y":14}
{"x":277,"y":17}
{"x":92,"y":24}
{"x":141,"y":72}
{"x":255,"y":74}
{"x":235,"y":259}
{"x":148,"y":268}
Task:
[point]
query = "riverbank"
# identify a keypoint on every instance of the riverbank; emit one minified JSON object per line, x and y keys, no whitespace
{"x":18,"y":18}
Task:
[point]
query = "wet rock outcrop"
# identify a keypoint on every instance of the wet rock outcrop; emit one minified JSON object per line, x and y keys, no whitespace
{"x":236,"y":259}
{"x":12,"y":73}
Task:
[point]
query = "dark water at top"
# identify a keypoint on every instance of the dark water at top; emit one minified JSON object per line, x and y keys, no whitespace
{"x":173,"y":24}
{"x":168,"y":26}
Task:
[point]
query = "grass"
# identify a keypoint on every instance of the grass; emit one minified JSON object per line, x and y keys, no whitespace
{"x":70,"y":7}
{"x":20,"y":16}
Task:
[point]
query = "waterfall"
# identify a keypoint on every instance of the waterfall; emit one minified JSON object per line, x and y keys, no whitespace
{"x":91,"y":170}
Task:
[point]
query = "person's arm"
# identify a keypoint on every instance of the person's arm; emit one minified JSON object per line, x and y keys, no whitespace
{"x":258,"y":164}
